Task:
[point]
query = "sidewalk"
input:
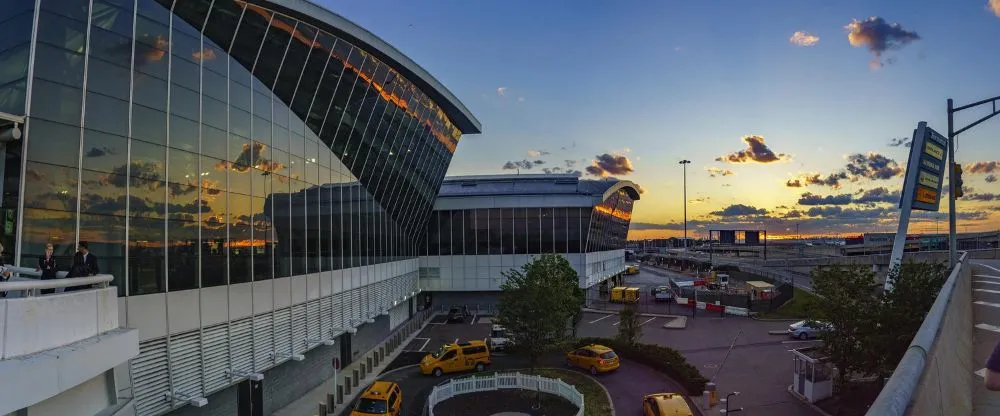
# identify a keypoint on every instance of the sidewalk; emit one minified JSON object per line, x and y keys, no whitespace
{"x":368,"y":368}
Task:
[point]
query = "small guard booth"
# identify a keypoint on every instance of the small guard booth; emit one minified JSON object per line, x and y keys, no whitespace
{"x":812,"y":376}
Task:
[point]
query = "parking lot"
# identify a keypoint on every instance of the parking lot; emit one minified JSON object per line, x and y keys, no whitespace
{"x":439,"y":332}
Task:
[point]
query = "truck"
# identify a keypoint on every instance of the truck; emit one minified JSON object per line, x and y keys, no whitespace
{"x":499,"y":340}
{"x":630,"y":270}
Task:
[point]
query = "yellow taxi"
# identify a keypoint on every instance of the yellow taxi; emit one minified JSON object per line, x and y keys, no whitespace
{"x":593,"y":357}
{"x":451,"y":358}
{"x":382,"y":398}
{"x":665,"y":404}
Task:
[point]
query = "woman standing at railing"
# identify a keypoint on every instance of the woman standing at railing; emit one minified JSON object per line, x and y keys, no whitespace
{"x":47,"y":265}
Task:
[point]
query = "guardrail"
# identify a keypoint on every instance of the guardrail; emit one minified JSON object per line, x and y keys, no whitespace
{"x":497,"y":381}
{"x":950,"y":353}
{"x":32,"y":286}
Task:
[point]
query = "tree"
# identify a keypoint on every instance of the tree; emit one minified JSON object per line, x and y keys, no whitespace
{"x":629,"y":330}
{"x":848,"y":301}
{"x":537,"y":303}
{"x":902,"y":309}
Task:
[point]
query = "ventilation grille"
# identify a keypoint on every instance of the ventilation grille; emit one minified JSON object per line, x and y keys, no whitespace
{"x":263,"y":341}
{"x":315,"y":317}
{"x":326,"y":316}
{"x":242,"y":344}
{"x":299,"y":327}
{"x":185,"y":363}
{"x":283,"y":331}
{"x":216,"y":342}
{"x":149,"y":374}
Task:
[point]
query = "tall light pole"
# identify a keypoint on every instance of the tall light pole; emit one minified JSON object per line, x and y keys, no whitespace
{"x":685,"y":162}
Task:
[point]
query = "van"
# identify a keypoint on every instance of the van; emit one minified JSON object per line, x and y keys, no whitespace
{"x":451,"y":358}
{"x":382,"y":398}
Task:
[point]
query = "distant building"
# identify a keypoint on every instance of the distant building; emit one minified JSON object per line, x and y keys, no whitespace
{"x":483,"y":226}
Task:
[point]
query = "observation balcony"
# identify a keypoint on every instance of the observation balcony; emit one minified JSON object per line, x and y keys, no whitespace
{"x":58,"y":351}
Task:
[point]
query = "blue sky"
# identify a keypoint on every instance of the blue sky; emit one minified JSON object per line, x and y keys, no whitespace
{"x":661,"y":81}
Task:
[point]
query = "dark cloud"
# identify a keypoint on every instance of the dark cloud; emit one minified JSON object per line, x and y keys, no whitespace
{"x":982,"y":197}
{"x":713,"y":172}
{"x":756,"y":151}
{"x":812,"y":199}
{"x":901,"y":141}
{"x":521,"y":164}
{"x":608,"y":164}
{"x":559,"y":170}
{"x":982,"y":167}
{"x":98,"y":152}
{"x":570,"y":163}
{"x":792,"y":214}
{"x":991,"y":178}
{"x":794,"y":183}
{"x":739,"y":210}
{"x":877,"y":195}
{"x":879,"y":37}
{"x":832,"y":180}
{"x":872,"y":166}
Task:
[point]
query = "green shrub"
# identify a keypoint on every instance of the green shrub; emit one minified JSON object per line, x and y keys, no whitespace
{"x":663,"y":359}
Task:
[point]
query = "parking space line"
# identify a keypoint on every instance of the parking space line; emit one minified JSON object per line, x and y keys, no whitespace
{"x":603,"y":317}
{"x":799,"y":341}
{"x":474,"y":318}
{"x":980,"y":372}
{"x":986,"y":276}
{"x":456,"y":340}
{"x":616,"y":323}
{"x":426,"y":341}
{"x":988,"y":327}
{"x":986,"y":290}
{"x":986,"y":282}
{"x":986,"y":265}
{"x":647,"y":321}
{"x":979,"y":302}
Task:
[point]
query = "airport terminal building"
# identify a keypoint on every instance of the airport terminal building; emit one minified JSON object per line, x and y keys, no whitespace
{"x":257,"y":177}
{"x":483,"y":226}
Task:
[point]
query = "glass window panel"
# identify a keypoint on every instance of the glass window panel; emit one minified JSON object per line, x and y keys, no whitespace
{"x":249,"y":36}
{"x":150,"y":92}
{"x":275,"y":44}
{"x":151,"y":44}
{"x":215,"y":86}
{"x":42,"y":226}
{"x":183,"y":134}
{"x":145,"y":250}
{"x":261,"y":130}
{"x":103,"y":193}
{"x":214,"y":113}
{"x":182,"y":251}
{"x":534,"y":224}
{"x":520,"y":231}
{"x":312,"y":230}
{"x":547,"y":233}
{"x":184,"y":102}
{"x":15,"y":29}
{"x":213,"y":142}
{"x":149,"y":124}
{"x":279,"y":138}
{"x":280,"y":115}
{"x":184,"y":45}
{"x":53,"y":143}
{"x":190,"y":15}
{"x":105,"y":235}
{"x":183,"y":167}
{"x":482,"y":231}
{"x":296,"y":168}
{"x":61,"y":31}
{"x":106,"y":114}
{"x":263,"y":242}
{"x":457,"y":233}
{"x":56,"y":102}
{"x":222,"y":22}
{"x":108,"y":79}
{"x":239,"y":122}
{"x":185,"y":73}
{"x":262,"y":105}
{"x":239,"y":95}
{"x":104,"y":152}
{"x":297,"y":145}
{"x":239,"y":238}
{"x":295,"y":60}
{"x":213,"y":242}
{"x":62,"y":66}
{"x":213,"y":175}
{"x":153,"y":10}
{"x":50,"y":187}
{"x":112,"y":47}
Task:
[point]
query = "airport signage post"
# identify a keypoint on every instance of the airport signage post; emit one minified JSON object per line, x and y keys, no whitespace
{"x":925,"y":170}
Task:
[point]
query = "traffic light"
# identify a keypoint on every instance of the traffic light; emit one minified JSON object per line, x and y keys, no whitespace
{"x":957,"y":171}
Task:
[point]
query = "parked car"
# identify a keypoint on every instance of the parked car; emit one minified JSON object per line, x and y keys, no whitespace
{"x":499,"y":340}
{"x":662,"y":293}
{"x":381,"y":398}
{"x":807,"y":329}
{"x":664,"y":404}
{"x":458,"y":313}
{"x":593,"y":357}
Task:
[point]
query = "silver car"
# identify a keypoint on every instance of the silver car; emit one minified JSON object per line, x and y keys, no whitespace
{"x":807,"y":329}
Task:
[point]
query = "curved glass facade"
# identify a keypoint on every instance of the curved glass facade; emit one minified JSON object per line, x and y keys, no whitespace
{"x":198,"y":143}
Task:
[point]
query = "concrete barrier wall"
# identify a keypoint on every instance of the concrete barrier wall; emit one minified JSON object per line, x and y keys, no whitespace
{"x":946,"y":385}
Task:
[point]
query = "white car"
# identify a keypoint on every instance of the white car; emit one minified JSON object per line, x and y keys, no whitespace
{"x":498,"y":339}
{"x":663,"y":293}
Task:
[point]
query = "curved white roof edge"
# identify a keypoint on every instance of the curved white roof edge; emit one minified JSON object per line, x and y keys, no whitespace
{"x":628,"y":186}
{"x":456,"y":111}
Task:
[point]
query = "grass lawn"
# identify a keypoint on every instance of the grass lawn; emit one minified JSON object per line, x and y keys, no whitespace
{"x":800,"y":306}
{"x":595,"y":402}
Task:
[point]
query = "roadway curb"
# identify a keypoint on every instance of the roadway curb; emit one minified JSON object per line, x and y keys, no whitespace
{"x":607,"y":312}
{"x":805,"y":401}
{"x":776,"y":319}
{"x":777,"y":332}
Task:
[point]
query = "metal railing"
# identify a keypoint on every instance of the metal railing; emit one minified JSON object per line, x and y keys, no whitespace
{"x":899,"y":391}
{"x":32,"y":285}
{"x":497,"y":381}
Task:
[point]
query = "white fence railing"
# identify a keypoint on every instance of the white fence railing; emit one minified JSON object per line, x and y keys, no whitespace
{"x":497,"y":381}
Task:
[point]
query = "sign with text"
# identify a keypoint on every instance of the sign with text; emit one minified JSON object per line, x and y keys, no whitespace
{"x":925,"y":169}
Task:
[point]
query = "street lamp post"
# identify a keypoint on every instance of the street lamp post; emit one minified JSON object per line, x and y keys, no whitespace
{"x":685,"y":162}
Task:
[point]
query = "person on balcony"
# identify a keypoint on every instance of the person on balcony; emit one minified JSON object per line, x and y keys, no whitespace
{"x":4,"y":273}
{"x":47,"y":265}
{"x":84,"y":264}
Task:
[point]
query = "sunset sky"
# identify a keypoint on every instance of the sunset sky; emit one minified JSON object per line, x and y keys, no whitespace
{"x":790,"y":111}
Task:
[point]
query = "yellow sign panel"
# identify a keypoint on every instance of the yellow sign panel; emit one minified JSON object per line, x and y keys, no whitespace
{"x":927,"y":179}
{"x":934,"y":150}
{"x":926,"y":195}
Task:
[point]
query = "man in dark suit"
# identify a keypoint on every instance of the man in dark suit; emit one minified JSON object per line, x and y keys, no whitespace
{"x":84,"y":264}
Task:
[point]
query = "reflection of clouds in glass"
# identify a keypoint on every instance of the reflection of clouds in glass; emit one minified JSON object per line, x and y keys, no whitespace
{"x":213,"y":222}
{"x":33,"y":174}
{"x":206,"y":54}
{"x":144,"y":174}
{"x":98,"y":152}
{"x":250,"y":157}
